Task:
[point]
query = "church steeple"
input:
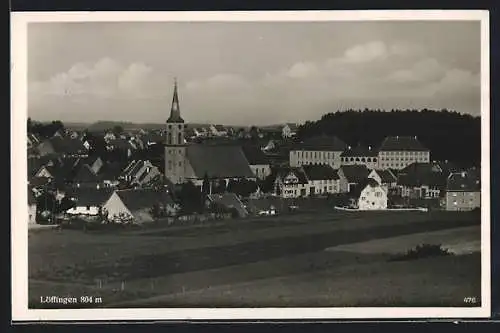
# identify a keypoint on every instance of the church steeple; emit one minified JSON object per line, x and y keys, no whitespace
{"x":175,"y":112}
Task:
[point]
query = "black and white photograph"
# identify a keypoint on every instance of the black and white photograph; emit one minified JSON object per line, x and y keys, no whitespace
{"x":250,"y":165}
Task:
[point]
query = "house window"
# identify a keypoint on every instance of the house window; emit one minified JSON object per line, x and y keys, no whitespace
{"x":180,"y":163}
{"x":378,"y":194}
{"x":88,"y":207}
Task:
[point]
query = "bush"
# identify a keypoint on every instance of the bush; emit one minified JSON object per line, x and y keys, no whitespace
{"x":422,"y":251}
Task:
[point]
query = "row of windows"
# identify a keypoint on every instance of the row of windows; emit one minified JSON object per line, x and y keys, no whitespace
{"x":403,"y":153}
{"x":180,"y":139}
{"x":174,"y":151}
{"x":170,"y":165}
{"x":403,"y":158}
{"x":357,"y":159}
{"x":180,"y":126}
{"x":314,"y":154}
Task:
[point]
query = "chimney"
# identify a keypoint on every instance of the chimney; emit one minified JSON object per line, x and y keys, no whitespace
{"x":370,"y":148}
{"x":464,"y":174}
{"x":397,"y":137}
{"x":416,"y":137}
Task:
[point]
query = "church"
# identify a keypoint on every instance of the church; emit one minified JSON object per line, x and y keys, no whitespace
{"x":186,"y":162}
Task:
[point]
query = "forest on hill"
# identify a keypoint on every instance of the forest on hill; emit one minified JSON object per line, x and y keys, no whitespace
{"x":449,"y":135}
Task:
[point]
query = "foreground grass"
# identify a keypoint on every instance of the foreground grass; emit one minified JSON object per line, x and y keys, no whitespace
{"x":430,"y":282}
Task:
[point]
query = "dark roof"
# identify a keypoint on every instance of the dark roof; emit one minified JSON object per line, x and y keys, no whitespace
{"x":229,"y":200}
{"x":220,"y":127}
{"x":386,"y":176}
{"x":298,"y":172}
{"x":67,"y":145}
{"x":254,"y":155}
{"x":219,"y":161}
{"x":467,"y":181}
{"x":355,"y":173}
{"x":363,"y":183}
{"x":135,"y":199}
{"x":320,"y":172}
{"x":402,"y":143}
{"x":110,"y":171}
{"x":38,"y":181}
{"x":419,"y":174}
{"x":120,"y":144}
{"x":90,"y":196}
{"x":322,"y":142}
{"x":359,"y":151}
{"x":85,"y":175}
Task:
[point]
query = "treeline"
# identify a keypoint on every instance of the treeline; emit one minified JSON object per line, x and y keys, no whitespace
{"x":449,"y":135}
{"x":44,"y":130}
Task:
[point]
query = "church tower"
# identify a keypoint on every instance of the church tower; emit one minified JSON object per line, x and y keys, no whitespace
{"x":175,"y":146}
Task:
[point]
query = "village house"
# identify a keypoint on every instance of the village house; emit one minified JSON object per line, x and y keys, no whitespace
{"x":318,"y":150}
{"x":217,"y":130}
{"x":371,"y":196}
{"x":421,"y":181}
{"x":257,"y":160}
{"x":122,"y":145}
{"x":291,"y":182}
{"x":138,"y":205}
{"x":322,"y":179}
{"x":87,"y":201}
{"x":386,"y":178}
{"x":62,"y":146}
{"x":289,"y":130}
{"x":360,"y":155}
{"x":463,"y":190}
{"x":140,"y":172}
{"x":350,"y":176}
{"x":400,"y":151}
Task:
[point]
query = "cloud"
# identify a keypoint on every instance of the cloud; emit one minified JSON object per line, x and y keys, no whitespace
{"x":373,"y":74}
{"x":366,"y":52}
{"x":105,"y":78}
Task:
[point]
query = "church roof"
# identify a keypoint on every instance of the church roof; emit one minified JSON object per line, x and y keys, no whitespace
{"x":218,"y":161}
{"x":175,"y":112}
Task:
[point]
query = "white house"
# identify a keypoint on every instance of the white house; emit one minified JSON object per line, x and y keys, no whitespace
{"x":87,"y":201}
{"x":136,"y":205}
{"x":322,"y":179}
{"x":372,"y":196}
{"x":291,"y":183}
{"x":463,"y":190}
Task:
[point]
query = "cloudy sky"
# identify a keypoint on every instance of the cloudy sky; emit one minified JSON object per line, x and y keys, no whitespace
{"x":249,"y":73}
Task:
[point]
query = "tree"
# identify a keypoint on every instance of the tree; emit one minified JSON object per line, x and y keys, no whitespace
{"x":118,"y":130}
{"x":219,"y":186}
{"x":189,"y":197}
{"x":205,"y":187}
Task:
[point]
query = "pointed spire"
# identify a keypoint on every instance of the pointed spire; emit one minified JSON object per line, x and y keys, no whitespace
{"x":175,"y":112}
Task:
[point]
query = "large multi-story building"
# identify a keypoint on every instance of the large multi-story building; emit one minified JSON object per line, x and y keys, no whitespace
{"x":318,"y":150}
{"x":463,"y":190}
{"x":360,"y":155}
{"x":397,"y":152}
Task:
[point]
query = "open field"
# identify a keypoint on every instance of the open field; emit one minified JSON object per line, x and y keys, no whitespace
{"x":159,"y":265}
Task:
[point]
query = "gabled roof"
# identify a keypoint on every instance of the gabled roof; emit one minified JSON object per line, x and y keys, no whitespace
{"x":363,"y":183}
{"x":386,"y":176}
{"x":85,"y":175}
{"x":359,"y":151}
{"x":90,"y":196}
{"x":135,"y":199}
{"x":66,"y":145}
{"x":467,"y":181}
{"x":355,"y":173}
{"x":322,"y":142}
{"x":229,"y":200}
{"x":298,"y":172}
{"x":254,"y":155}
{"x":419,"y":174}
{"x":320,"y":172}
{"x":110,"y":171}
{"x":402,"y":143}
{"x":218,"y":161}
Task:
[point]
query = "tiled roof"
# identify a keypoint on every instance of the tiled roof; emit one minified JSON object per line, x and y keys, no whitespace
{"x":219,"y":161}
{"x":362,"y":184}
{"x":402,"y":143}
{"x":90,"y":196}
{"x":135,"y":199}
{"x":323,"y":143}
{"x":359,"y":151}
{"x":419,"y":174}
{"x":254,"y":155}
{"x":355,"y":173}
{"x":467,"y":181}
{"x":110,"y":171}
{"x":320,"y":172}
{"x":86,"y":175}
{"x":386,"y":176}
{"x":298,"y":172}
{"x":67,"y":145}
